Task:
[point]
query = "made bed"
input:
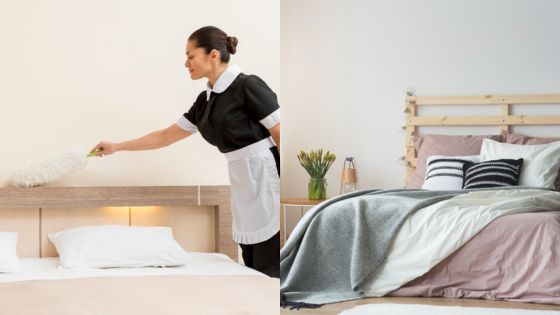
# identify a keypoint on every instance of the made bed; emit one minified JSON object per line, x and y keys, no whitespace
{"x":515,"y":257}
{"x":496,"y":243}
{"x":210,"y":282}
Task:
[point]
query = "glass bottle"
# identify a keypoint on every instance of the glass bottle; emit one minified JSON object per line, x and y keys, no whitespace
{"x":349,"y":180}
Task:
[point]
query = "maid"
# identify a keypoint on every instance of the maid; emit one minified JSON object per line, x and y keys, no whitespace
{"x":240,"y":115}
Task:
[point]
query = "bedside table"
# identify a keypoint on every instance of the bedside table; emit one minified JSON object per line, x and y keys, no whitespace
{"x":293,"y":202}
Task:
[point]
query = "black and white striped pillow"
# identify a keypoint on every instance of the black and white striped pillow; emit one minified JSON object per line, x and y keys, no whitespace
{"x":494,"y":173}
{"x":446,"y":172}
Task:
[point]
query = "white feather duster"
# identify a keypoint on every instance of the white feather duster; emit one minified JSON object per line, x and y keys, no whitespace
{"x":39,"y":174}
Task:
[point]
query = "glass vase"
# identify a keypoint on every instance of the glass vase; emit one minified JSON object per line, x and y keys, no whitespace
{"x":317,"y":189}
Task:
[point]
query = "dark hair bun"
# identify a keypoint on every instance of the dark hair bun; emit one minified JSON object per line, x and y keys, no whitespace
{"x":231,"y":44}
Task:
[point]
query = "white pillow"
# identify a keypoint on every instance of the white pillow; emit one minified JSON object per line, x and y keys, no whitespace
{"x":540,"y":162}
{"x":9,"y":261}
{"x":107,"y":246}
{"x":446,"y":172}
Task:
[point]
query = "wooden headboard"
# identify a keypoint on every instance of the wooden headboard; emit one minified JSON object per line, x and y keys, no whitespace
{"x":200,"y":216}
{"x":504,"y":121}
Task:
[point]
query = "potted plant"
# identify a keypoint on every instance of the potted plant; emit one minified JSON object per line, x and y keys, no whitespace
{"x":316,"y":163}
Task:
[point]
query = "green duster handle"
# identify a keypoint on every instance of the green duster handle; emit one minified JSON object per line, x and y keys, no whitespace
{"x":94,"y":153}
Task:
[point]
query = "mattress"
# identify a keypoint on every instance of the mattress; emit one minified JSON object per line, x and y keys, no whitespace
{"x":515,"y":258}
{"x":209,"y":284}
{"x":201,"y":264}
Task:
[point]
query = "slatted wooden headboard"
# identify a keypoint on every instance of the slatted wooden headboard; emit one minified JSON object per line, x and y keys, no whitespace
{"x":504,"y":121}
{"x":200,"y":216}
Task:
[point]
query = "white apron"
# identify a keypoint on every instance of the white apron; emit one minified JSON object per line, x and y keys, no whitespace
{"x":255,"y":192}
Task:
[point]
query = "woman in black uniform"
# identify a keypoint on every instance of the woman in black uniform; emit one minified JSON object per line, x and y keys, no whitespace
{"x":240,"y":115}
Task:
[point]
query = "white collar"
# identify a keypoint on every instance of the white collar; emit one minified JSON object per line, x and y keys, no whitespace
{"x":224,"y":81}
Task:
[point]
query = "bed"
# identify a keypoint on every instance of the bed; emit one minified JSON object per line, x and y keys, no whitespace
{"x":211,"y":282}
{"x":456,"y":247}
{"x":515,"y":257}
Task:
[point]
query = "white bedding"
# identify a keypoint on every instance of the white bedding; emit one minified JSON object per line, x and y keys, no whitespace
{"x":201,"y":264}
{"x":433,"y":233}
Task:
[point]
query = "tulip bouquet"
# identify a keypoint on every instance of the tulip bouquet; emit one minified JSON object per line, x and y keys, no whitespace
{"x":316,"y":163}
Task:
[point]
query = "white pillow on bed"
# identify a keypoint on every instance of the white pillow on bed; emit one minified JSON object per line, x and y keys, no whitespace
{"x":446,"y":172}
{"x":106,"y":246}
{"x":540,"y":162}
{"x":9,"y":261}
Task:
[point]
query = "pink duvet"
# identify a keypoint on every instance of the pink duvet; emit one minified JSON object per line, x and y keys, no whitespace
{"x":515,"y":258}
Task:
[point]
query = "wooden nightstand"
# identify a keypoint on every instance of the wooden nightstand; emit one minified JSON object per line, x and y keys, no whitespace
{"x":293,"y":202}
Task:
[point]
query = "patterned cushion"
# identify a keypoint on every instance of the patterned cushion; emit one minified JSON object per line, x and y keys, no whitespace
{"x":494,"y":173}
{"x":446,"y":172}
{"x":427,"y":145}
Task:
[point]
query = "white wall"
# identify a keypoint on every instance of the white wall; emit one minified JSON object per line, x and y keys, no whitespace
{"x":347,"y":64}
{"x":73,"y":73}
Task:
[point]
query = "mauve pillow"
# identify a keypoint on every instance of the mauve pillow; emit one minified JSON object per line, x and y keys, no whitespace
{"x":428,"y":145}
{"x":517,"y":138}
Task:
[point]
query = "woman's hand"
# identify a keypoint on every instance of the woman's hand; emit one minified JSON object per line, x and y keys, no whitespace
{"x":104,"y":148}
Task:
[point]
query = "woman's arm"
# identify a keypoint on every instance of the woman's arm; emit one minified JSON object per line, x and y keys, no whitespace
{"x":155,"y":140}
{"x":275,"y":134}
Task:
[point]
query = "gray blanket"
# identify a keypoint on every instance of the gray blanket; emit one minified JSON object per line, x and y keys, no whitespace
{"x":341,"y":242}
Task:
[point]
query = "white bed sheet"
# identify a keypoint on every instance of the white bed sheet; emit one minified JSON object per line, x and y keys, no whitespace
{"x":201,"y":264}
